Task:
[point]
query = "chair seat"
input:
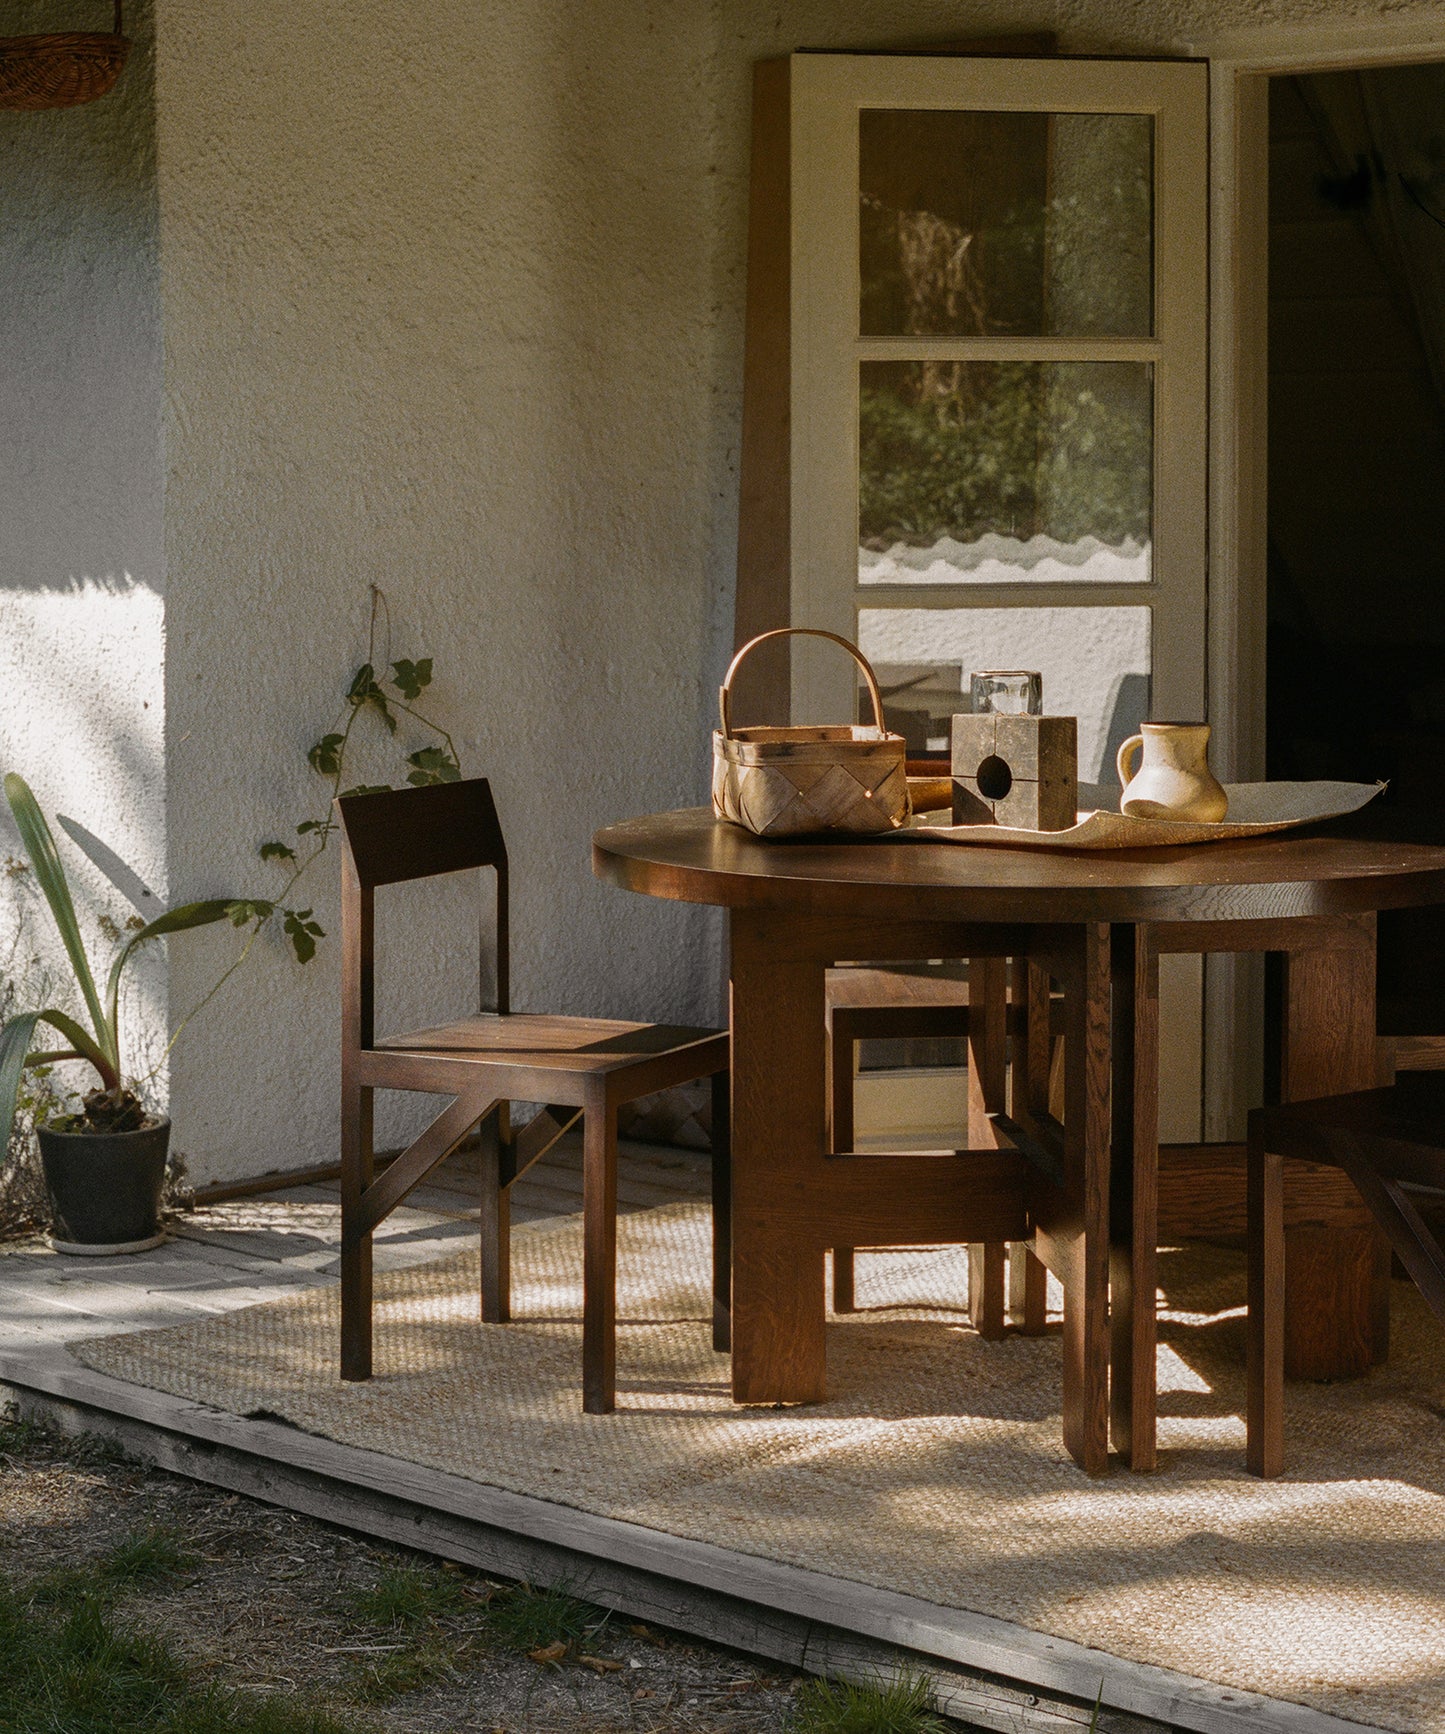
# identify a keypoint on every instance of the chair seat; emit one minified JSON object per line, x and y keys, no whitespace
{"x":572,"y":1044}
{"x":865,"y":988}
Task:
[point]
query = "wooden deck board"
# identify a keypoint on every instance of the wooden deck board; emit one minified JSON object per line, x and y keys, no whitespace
{"x":984,"y":1670}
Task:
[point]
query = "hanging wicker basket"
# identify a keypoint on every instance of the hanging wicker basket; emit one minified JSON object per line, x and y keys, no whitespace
{"x":63,"y":69}
{"x":809,"y":782}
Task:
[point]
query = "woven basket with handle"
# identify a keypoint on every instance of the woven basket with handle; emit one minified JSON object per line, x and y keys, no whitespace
{"x":801,"y":782}
{"x":63,"y":69}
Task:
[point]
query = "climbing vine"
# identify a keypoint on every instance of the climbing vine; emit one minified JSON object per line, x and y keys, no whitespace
{"x":382,"y":698}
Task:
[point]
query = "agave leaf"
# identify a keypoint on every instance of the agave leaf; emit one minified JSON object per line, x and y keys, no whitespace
{"x":50,"y":875}
{"x":177,"y":920}
{"x":15,"y":1040}
{"x":84,"y":1044}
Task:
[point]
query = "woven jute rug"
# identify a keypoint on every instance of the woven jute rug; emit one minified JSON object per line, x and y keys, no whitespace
{"x":935,"y":1468}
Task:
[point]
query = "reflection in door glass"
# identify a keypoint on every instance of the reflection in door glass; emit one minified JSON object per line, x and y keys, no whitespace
{"x":974,"y":472}
{"x":1095,"y":664}
{"x":975,"y":224}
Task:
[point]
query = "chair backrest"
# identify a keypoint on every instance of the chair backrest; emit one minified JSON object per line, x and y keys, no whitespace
{"x":402,"y":834}
{"x":1391,"y":1143}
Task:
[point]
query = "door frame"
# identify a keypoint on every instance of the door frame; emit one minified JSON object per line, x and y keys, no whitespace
{"x":1241,"y":64}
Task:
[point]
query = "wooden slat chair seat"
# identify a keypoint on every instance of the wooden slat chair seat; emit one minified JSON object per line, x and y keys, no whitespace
{"x":1391,"y":1143}
{"x":581,"y":1068}
{"x":870,"y":1002}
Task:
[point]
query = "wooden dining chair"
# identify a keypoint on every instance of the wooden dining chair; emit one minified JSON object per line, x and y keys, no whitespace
{"x":1391,"y":1144}
{"x":581,"y":1068}
{"x":879,"y":1003}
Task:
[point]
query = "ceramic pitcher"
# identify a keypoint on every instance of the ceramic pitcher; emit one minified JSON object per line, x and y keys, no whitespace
{"x":1174,"y":780}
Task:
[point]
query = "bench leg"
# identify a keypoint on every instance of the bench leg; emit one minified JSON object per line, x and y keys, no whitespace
{"x":599,"y":1266}
{"x":1264,"y":1413}
{"x":496,"y":1219}
{"x":356,"y":1172}
{"x":722,"y":1214}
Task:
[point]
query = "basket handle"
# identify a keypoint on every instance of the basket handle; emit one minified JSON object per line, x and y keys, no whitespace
{"x":725,"y":691}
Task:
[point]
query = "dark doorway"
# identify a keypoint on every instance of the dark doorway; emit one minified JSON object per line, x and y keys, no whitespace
{"x":1356,"y":645}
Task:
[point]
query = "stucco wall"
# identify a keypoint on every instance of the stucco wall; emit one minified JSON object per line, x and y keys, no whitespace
{"x":440,"y":313}
{"x":82,"y":572}
{"x":452,"y":300}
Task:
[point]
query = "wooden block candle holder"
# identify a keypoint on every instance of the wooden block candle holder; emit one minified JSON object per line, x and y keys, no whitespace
{"x":1016,"y":770}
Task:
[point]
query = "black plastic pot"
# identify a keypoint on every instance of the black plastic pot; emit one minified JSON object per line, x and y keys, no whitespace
{"x":105,"y":1187}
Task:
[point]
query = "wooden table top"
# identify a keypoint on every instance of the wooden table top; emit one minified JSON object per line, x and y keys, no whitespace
{"x":694,"y":858}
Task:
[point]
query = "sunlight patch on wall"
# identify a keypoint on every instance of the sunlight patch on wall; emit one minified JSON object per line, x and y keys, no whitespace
{"x":83,"y":671}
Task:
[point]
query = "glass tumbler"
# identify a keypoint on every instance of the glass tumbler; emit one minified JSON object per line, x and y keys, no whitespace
{"x":1006,"y":692}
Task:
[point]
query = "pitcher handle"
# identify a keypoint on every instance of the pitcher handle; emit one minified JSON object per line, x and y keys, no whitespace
{"x":1126,"y":776}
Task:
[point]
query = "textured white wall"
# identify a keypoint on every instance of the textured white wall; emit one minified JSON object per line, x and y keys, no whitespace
{"x":453,"y":301}
{"x":82,"y":576}
{"x":440,"y":314}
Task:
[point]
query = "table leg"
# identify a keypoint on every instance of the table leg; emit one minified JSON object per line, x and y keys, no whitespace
{"x":1072,"y":1232}
{"x":1337,"y":1276}
{"x":1134,"y":1199}
{"x":779,"y":1134}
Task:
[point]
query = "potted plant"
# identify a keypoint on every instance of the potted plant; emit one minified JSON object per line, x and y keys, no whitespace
{"x":104,"y":1166}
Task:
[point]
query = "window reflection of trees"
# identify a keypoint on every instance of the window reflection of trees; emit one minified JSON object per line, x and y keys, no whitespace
{"x":981,"y":224}
{"x":1016,"y":449}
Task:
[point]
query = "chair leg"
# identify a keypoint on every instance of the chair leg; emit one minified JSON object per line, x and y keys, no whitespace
{"x":987,"y":1264}
{"x":356,"y":1173}
{"x":987,"y":1084}
{"x":842,"y":1056}
{"x":844,"y":1296}
{"x":1034,"y":1054}
{"x":1264,"y":1413}
{"x":722,"y":1214}
{"x":496,"y":1218}
{"x":599,"y":1270}
{"x":1028,"y":1291}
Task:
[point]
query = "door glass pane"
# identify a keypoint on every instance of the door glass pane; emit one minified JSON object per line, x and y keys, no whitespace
{"x":991,"y":472}
{"x":1095,"y":664}
{"x":976,"y":224}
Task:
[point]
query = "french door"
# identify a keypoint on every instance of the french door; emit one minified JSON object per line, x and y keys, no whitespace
{"x":989,"y":294}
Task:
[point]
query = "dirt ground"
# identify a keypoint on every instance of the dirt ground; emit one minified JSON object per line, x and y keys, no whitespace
{"x":252,"y":1597}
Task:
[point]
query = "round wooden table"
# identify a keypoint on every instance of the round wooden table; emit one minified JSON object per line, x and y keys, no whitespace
{"x":1094,"y":923}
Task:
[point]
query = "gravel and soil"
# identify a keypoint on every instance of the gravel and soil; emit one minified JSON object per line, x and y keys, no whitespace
{"x":257,"y":1606}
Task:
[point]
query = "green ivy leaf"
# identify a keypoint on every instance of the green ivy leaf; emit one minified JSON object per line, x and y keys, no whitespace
{"x":432,"y":765}
{"x":410,"y":678}
{"x":325,"y":756}
{"x":303,"y":933}
{"x":244,"y":909}
{"x":364,"y":693}
{"x":307,"y":826}
{"x":367,"y":789}
{"x":276,"y":852}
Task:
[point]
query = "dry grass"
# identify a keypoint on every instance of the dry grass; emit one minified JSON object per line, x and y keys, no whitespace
{"x":333,"y":1632}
